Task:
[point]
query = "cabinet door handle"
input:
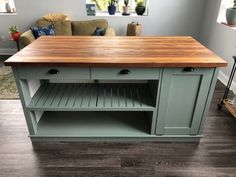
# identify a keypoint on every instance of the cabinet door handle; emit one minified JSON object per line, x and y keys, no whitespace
{"x":53,"y":71}
{"x":188,"y":69}
{"x":125,"y":71}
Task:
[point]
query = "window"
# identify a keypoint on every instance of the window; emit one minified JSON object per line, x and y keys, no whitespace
{"x":101,"y":5}
{"x":222,"y":12}
{"x":7,"y":6}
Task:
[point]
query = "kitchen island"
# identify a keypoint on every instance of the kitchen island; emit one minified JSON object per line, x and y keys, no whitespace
{"x":115,"y":88}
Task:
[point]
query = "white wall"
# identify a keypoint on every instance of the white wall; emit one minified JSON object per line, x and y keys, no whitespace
{"x":219,"y":38}
{"x":166,"y":17}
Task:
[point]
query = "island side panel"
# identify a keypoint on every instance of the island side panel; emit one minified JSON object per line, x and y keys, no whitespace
{"x":25,"y":97}
{"x":182,"y":100}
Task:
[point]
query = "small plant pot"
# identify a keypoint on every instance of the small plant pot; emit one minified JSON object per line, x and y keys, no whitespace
{"x":126,"y":10}
{"x":111,"y":10}
{"x":231,"y":16}
{"x":140,"y":10}
{"x":15,"y":36}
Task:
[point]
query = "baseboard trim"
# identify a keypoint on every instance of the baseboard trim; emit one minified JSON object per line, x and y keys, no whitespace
{"x":7,"y":51}
{"x":224,"y":79}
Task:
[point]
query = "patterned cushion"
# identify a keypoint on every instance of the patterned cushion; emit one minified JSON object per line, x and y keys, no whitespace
{"x":99,"y":32}
{"x":40,"y":31}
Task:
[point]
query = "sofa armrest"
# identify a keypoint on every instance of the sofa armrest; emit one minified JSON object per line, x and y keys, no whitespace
{"x":110,"y":31}
{"x":26,"y":38}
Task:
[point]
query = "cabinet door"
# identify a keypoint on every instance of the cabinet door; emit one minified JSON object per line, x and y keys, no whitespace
{"x":182,"y":100}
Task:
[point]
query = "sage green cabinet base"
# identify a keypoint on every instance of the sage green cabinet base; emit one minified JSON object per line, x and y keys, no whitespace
{"x":152,"y":104}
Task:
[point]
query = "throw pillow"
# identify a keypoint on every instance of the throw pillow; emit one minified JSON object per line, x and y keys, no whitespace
{"x":99,"y":32}
{"x":87,"y":28}
{"x":40,"y":31}
{"x":62,"y":28}
{"x":54,"y":17}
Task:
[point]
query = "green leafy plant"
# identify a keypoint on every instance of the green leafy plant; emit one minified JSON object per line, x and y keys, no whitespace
{"x":113,"y":2}
{"x":139,"y":2}
{"x":13,"y":29}
{"x":126,"y":2}
{"x":234,"y":7}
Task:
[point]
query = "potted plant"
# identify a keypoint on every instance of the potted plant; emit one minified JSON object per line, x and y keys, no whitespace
{"x":126,"y":8}
{"x":231,"y":15}
{"x":112,"y":7}
{"x":15,"y":34}
{"x":140,"y":8}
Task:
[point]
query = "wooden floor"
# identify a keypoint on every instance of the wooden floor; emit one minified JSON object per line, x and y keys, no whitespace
{"x":215,"y":155}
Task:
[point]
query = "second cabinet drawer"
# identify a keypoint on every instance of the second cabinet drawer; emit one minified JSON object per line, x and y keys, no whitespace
{"x":54,"y":73}
{"x":125,"y":73}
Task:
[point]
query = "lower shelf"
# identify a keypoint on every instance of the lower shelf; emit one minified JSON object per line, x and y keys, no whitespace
{"x":94,"y":124}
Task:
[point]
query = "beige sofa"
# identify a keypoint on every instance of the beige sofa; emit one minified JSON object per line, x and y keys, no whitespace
{"x":70,"y":28}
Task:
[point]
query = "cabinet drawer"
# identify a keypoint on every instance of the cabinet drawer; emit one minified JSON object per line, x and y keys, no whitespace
{"x":53,"y":73}
{"x":125,"y":73}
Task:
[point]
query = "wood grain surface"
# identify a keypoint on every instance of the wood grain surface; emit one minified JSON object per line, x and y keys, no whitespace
{"x":214,"y":156}
{"x":117,"y":52}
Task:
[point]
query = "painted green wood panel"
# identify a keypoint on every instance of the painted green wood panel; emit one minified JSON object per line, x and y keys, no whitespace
{"x":135,"y":74}
{"x":67,"y":73}
{"x":182,"y":101}
{"x":24,"y":93}
{"x":210,"y":94}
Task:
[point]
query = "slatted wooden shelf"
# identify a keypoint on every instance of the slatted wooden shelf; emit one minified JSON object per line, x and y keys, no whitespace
{"x":92,"y":97}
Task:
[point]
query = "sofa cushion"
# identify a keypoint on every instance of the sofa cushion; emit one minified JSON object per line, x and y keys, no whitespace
{"x":26,"y":38}
{"x":42,"y":23}
{"x":87,"y":28}
{"x":40,"y":31}
{"x":62,"y":28}
{"x":55,"y":17}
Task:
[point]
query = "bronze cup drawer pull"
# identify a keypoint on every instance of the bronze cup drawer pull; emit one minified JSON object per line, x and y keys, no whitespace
{"x":189,"y":69}
{"x":125,"y":72}
{"x":53,"y":71}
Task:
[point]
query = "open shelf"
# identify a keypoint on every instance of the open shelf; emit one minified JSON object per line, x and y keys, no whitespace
{"x":94,"y":124}
{"x":92,"y":97}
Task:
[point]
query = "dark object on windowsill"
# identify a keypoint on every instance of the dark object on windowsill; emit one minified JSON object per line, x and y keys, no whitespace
{"x":112,"y":10}
{"x":231,"y":16}
{"x":91,"y":9}
{"x":140,"y":8}
{"x":125,"y":14}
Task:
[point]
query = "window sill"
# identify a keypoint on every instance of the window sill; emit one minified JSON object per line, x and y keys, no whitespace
{"x":118,"y":14}
{"x":5,"y":13}
{"x":229,"y":26}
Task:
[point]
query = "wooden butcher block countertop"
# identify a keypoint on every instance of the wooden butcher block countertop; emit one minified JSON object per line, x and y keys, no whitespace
{"x":169,"y":51}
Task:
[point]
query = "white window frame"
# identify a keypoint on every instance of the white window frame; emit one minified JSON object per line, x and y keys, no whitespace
{"x":3,"y":6}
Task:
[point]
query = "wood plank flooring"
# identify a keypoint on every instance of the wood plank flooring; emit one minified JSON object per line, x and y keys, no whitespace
{"x":214,"y":156}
